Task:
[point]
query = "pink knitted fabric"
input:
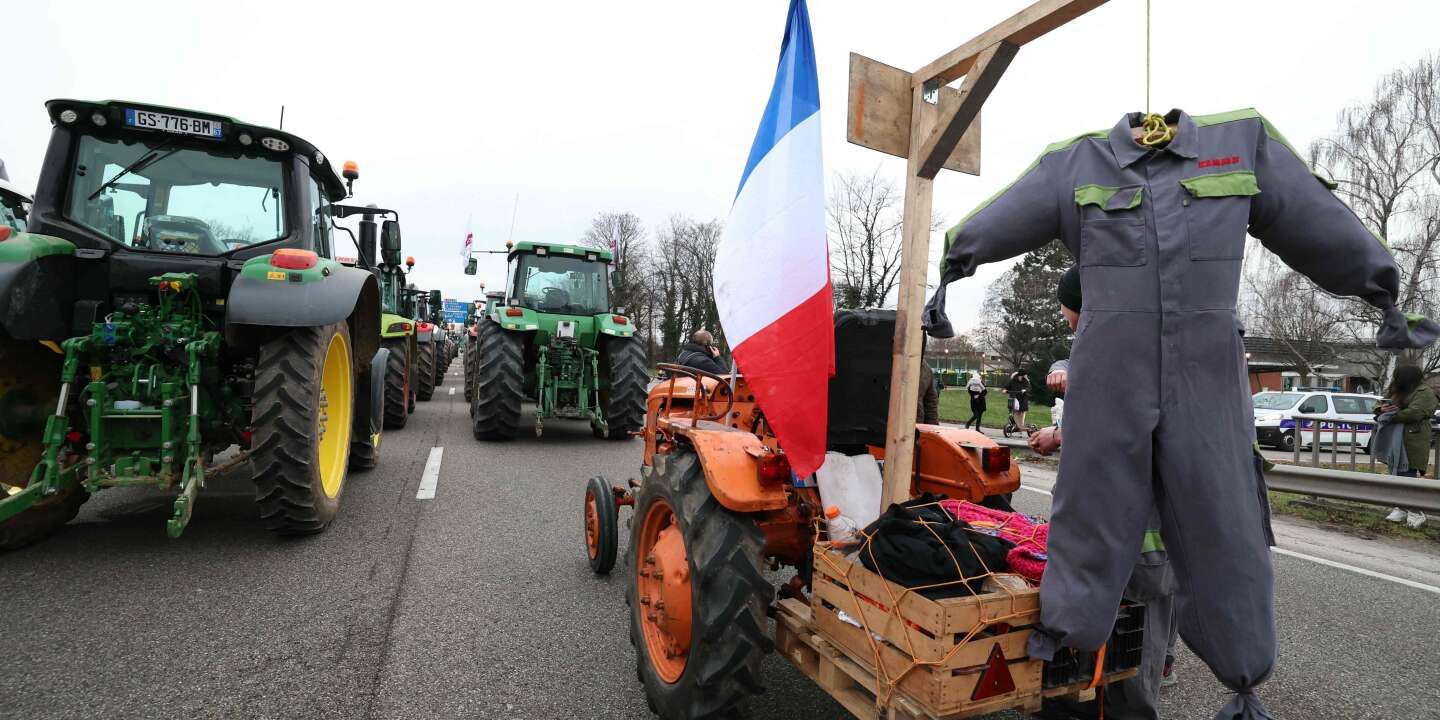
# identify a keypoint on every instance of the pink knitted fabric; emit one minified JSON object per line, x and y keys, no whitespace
{"x":1028,"y":557}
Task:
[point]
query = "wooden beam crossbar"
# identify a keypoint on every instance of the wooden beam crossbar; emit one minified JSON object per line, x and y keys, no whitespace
{"x":937,"y":138}
{"x":982,"y":78}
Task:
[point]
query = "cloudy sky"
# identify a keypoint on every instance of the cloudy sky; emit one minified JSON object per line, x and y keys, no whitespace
{"x":455,"y":109}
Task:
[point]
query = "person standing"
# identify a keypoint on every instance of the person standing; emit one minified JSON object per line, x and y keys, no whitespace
{"x":1410,"y":404}
{"x":1018,"y":390}
{"x":976,"y":388}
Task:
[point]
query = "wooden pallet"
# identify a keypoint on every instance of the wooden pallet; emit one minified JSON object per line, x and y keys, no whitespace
{"x":875,"y":675}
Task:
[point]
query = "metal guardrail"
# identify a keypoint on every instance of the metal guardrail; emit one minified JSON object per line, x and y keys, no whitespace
{"x":1361,"y":487}
{"x":1317,"y":430}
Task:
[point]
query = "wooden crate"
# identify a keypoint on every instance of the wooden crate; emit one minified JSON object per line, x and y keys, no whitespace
{"x":952,"y":640}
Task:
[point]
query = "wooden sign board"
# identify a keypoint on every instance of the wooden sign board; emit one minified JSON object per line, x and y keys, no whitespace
{"x":878,"y":114}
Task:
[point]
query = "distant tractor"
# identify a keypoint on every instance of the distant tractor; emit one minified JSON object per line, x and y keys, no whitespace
{"x":554,"y":339}
{"x":175,"y":294}
{"x":14,"y":208}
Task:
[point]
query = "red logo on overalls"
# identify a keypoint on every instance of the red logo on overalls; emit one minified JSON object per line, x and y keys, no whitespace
{"x":1220,"y":162}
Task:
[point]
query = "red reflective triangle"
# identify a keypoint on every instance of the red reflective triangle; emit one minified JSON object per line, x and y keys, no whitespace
{"x":995,"y":679}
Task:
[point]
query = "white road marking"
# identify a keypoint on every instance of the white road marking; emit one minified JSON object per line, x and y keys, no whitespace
{"x":1038,"y":490}
{"x":452,"y":391}
{"x":1359,"y":570}
{"x":431,"y":477}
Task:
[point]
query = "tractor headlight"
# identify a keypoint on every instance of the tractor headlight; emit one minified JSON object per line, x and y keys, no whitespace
{"x":68,"y":116}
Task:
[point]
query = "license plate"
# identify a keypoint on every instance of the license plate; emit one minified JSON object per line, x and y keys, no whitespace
{"x":165,"y":122}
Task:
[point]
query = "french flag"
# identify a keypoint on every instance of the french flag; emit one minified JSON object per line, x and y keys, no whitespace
{"x":772,"y":267}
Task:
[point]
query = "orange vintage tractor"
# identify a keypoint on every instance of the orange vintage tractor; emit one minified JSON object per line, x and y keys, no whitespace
{"x":717,"y":506}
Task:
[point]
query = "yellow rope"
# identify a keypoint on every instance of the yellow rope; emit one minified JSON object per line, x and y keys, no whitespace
{"x":1155,"y":131}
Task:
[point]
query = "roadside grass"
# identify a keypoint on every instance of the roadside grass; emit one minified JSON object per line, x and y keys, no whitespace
{"x":955,"y":408}
{"x":1350,"y":517}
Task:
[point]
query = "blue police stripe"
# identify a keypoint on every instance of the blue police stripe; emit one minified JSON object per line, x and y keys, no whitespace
{"x":796,"y":95}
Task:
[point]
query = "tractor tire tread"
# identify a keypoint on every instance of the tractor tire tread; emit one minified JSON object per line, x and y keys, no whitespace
{"x":425,"y":373}
{"x":499,"y":384}
{"x":395,"y":401}
{"x":287,"y":397}
{"x":625,"y":409}
{"x":728,"y":639}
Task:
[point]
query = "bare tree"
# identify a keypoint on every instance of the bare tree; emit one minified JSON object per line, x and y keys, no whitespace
{"x":1285,"y":306}
{"x":993,"y":334}
{"x":864,"y":218}
{"x":623,"y":235}
{"x":1385,"y":156}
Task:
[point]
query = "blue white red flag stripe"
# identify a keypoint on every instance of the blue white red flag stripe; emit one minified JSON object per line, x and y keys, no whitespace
{"x":772,"y":267}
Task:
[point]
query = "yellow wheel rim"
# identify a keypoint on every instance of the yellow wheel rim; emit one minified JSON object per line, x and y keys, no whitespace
{"x":334,"y":420}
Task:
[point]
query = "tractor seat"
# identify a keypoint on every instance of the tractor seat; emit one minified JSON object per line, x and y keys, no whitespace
{"x":179,"y":234}
{"x":860,"y":389}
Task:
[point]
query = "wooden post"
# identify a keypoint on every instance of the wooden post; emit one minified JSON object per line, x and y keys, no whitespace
{"x":938,"y":122}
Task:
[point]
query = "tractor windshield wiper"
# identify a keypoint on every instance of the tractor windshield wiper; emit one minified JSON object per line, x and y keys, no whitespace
{"x":146,"y":160}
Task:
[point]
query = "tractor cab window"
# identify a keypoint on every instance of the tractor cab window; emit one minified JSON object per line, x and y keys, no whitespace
{"x":11,"y":212}
{"x":174,"y":198}
{"x":320,"y":218}
{"x":562,"y":284}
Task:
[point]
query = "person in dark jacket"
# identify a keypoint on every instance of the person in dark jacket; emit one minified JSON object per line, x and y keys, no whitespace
{"x":1412,"y":403}
{"x":1018,"y":388}
{"x":976,"y":388}
{"x":700,"y":353}
{"x":927,"y":411}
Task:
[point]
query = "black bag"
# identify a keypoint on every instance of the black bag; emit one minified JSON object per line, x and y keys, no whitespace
{"x":917,"y":543}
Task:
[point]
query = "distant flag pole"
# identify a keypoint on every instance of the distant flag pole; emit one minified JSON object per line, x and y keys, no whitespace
{"x":772,"y":266}
{"x":469,"y":240}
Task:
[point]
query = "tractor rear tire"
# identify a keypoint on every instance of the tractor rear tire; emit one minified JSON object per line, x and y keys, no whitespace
{"x":499,"y":384}
{"x":624,"y":402}
{"x":397,"y":384}
{"x":43,"y":518}
{"x":425,"y":373}
{"x":729,"y":595}
{"x":302,"y":424}
{"x":470,"y":361}
{"x":602,"y":525}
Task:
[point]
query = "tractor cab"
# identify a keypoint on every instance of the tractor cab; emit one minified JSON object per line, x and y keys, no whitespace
{"x":559,"y":279}
{"x":144,"y":184}
{"x":14,"y":208}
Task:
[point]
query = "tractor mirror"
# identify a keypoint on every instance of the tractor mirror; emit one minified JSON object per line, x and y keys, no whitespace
{"x":617,"y":278}
{"x":436,"y":301}
{"x":390,"y":242}
{"x":471,"y":267}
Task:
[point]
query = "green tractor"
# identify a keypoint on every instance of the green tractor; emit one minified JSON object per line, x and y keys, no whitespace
{"x":555,"y":340}
{"x":175,"y":294}
{"x":397,"y":333}
{"x":434,"y":343}
{"x":393,"y":397}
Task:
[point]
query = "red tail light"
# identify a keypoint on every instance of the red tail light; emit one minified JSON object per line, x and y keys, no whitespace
{"x":995,"y":459}
{"x":294,"y":259}
{"x":995,"y":679}
{"x":620,"y":319}
{"x":774,"y":469}
{"x":514,"y":312}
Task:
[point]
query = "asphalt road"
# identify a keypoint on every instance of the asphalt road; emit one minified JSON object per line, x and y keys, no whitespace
{"x":478,"y":604}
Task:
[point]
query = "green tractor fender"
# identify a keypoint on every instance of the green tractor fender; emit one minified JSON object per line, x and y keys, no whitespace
{"x":266,"y":296}
{"x":36,"y":287}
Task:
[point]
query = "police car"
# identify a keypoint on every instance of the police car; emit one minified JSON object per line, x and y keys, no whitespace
{"x":1275,"y":413}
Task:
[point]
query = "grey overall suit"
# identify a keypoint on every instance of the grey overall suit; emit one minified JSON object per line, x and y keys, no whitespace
{"x":1159,"y":409}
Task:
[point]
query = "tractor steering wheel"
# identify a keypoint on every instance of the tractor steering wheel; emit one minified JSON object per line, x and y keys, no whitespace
{"x":554,"y":298}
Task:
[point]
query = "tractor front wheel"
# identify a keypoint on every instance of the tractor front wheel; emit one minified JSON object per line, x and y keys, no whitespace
{"x":303,"y":422}
{"x":696,"y":594}
{"x":601,"y":525}
{"x":425,"y":372}
{"x":499,"y":384}
{"x":624,"y":401}
{"x":397,"y":383}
